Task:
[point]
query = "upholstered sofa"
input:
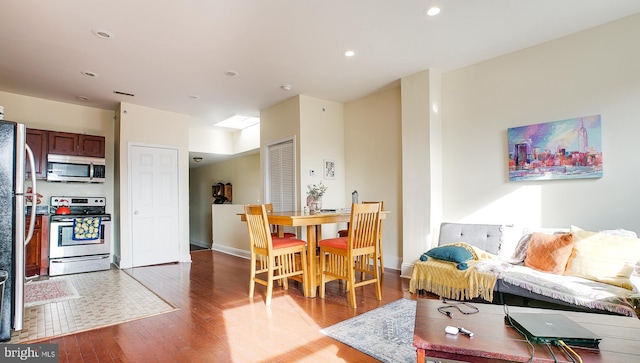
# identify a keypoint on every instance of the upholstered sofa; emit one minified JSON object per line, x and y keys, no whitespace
{"x":570,"y":268}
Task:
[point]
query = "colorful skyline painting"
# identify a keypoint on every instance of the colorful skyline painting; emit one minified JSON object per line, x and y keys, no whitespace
{"x":564,"y":149}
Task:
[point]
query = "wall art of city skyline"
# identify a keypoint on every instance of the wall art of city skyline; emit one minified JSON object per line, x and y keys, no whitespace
{"x":566,"y":149}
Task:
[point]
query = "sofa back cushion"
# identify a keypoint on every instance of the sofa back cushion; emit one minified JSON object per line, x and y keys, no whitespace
{"x":603,"y":257}
{"x":549,"y":252}
{"x":483,"y":236}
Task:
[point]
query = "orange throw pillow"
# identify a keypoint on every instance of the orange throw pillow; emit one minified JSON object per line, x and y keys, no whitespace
{"x":549,"y":252}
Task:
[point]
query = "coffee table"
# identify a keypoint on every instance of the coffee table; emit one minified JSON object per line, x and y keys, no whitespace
{"x":494,"y":341}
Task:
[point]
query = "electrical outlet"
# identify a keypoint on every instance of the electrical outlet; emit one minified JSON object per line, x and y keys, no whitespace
{"x":312,"y":172}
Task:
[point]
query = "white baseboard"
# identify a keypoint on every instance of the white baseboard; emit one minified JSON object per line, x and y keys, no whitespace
{"x":200,"y":244}
{"x":407,"y":269}
{"x":232,"y":251}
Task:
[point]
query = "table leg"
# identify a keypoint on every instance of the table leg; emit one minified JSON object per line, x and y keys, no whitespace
{"x":420,"y":357}
{"x":312,"y":266}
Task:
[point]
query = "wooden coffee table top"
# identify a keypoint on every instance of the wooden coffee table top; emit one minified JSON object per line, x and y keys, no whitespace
{"x":494,"y":341}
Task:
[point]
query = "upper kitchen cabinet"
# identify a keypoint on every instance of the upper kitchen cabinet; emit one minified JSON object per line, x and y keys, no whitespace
{"x":66,"y":143}
{"x":37,"y":140}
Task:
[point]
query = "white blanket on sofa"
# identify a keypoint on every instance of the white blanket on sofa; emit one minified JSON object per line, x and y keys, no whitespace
{"x":574,"y":290}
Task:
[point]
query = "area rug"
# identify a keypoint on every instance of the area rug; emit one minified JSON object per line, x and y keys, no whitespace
{"x":48,"y":291}
{"x":104,"y":298}
{"x":385,"y":333}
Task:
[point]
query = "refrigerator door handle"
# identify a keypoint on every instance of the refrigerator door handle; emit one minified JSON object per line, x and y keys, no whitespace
{"x":32,"y":221}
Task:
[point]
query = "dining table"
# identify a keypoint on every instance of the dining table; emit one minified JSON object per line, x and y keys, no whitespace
{"x":312,"y":221}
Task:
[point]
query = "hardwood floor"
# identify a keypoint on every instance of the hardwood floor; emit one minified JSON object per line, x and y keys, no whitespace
{"x":218,"y":323}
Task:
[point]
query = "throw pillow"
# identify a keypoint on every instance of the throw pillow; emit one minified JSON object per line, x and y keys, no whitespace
{"x":602,"y":257}
{"x":457,"y":254}
{"x":549,"y":252}
{"x":509,"y":240}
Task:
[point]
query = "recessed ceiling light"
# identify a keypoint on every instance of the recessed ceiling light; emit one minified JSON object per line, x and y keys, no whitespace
{"x":239,"y":122}
{"x":103,"y":34}
{"x":230,"y":73}
{"x":349,"y":53}
{"x":286,"y":87}
{"x":89,"y":73}
{"x":197,"y":159}
{"x":194,"y":97}
{"x":432,"y":11}
{"x":83,"y":98}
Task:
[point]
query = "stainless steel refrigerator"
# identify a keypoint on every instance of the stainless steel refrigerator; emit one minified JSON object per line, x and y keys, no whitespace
{"x":13,"y":150}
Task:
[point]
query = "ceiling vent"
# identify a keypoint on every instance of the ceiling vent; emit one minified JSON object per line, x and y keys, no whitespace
{"x":124,"y":93}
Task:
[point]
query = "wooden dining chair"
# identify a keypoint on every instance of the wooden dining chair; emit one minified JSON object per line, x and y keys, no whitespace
{"x":274,"y":256}
{"x":274,"y":229}
{"x":341,"y":258}
{"x":380,"y":255}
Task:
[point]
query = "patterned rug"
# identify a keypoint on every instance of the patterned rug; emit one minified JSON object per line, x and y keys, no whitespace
{"x":103,"y":298}
{"x":385,"y":333}
{"x":48,"y":291}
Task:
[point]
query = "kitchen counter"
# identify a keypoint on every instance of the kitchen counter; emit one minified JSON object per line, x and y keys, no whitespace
{"x":40,"y":210}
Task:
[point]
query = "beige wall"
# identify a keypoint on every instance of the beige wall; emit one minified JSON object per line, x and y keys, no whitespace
{"x":592,"y":72}
{"x":145,"y":126}
{"x":373,"y":161}
{"x":278,"y":123}
{"x":38,"y":113}
{"x":44,"y":114}
{"x":244,"y":175}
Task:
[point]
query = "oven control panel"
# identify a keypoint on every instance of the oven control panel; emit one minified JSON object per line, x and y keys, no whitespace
{"x":78,"y":201}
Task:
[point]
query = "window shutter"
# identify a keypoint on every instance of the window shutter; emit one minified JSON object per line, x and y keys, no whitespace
{"x":281,"y":176}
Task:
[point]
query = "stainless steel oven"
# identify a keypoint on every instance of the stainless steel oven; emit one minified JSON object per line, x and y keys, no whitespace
{"x":67,"y":252}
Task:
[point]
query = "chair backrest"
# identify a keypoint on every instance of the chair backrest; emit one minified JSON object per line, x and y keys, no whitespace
{"x":258,"y":225}
{"x":268,"y":207}
{"x":364,"y":225}
{"x":381,"y":209}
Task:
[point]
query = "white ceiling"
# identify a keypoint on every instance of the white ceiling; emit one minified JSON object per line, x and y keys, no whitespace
{"x":167,"y":52}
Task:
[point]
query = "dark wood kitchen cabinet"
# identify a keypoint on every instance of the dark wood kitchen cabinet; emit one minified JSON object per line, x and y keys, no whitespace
{"x":66,"y":143}
{"x":37,"y":251}
{"x":37,"y":141}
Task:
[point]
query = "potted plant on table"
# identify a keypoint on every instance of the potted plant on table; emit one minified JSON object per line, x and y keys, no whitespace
{"x":314,"y":196}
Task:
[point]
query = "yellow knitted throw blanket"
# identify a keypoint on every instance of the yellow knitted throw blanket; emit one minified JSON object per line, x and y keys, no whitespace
{"x":445,"y":280}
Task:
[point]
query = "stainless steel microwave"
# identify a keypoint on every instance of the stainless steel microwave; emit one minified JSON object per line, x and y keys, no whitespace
{"x":69,"y":168}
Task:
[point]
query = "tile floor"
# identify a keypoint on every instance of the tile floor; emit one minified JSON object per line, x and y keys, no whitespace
{"x":106,"y":298}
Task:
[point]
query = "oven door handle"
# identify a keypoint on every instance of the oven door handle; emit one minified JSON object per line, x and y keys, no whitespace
{"x":82,"y":258}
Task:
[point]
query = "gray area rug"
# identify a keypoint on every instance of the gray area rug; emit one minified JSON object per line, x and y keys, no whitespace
{"x":385,"y":333}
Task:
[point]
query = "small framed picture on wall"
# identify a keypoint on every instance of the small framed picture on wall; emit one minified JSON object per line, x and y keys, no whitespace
{"x":329,"y":169}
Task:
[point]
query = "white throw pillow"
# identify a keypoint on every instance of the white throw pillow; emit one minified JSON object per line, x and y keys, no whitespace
{"x":511,"y":236}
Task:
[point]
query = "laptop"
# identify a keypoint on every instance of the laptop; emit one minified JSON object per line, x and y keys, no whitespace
{"x":549,"y":328}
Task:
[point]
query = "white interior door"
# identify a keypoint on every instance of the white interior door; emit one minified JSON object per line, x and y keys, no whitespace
{"x":154,"y":205}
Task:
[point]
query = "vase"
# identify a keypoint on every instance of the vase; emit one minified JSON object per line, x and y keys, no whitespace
{"x":314,"y":204}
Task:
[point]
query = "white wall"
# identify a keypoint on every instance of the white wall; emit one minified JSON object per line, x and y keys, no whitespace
{"x":322,"y":138}
{"x":593,"y":72}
